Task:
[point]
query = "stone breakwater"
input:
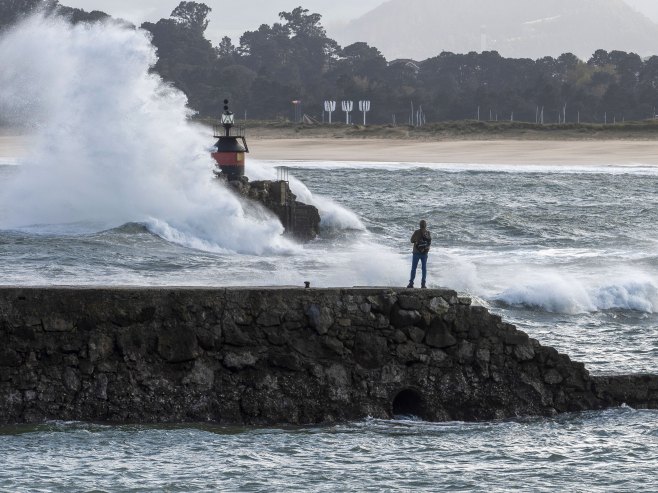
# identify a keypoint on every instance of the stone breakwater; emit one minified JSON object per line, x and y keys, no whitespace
{"x":280,"y":355}
{"x":300,"y":220}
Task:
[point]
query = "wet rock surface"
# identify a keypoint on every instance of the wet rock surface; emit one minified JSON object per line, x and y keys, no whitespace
{"x":267,"y":356}
{"x":300,"y":220}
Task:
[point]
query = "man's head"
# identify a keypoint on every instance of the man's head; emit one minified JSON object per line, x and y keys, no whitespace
{"x":423,"y":224}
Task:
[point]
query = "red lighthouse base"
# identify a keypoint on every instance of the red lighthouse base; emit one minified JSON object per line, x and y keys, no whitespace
{"x":230,"y":163}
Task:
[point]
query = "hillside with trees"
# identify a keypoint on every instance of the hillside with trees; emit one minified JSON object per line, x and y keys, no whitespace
{"x":294,"y":59}
{"x":514,"y":28}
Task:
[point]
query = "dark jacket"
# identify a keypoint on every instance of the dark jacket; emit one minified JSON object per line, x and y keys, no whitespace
{"x":418,"y":234}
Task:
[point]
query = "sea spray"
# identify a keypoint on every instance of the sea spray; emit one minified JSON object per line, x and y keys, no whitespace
{"x":557,"y":293}
{"x":333,"y":215}
{"x":112,"y":143}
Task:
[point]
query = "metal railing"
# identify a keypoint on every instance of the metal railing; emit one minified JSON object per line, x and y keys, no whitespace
{"x":282,"y":173}
{"x":235,"y":131}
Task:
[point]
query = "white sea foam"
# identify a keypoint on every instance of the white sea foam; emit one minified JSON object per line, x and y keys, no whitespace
{"x":635,"y":169}
{"x":334,"y":216}
{"x":563,"y":294}
{"x":112,"y":142}
{"x":456,"y":271}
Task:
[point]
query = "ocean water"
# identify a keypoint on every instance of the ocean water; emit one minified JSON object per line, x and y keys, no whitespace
{"x":117,"y":189}
{"x":614,"y":450}
{"x":567,"y":254}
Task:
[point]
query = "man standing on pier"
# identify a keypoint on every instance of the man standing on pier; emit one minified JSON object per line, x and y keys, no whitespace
{"x":422,"y":239}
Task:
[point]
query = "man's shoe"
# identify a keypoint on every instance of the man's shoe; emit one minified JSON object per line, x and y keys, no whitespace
{"x":422,"y":286}
{"x":410,"y":285}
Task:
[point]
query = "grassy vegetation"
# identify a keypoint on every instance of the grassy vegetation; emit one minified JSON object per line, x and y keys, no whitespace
{"x":456,"y":130}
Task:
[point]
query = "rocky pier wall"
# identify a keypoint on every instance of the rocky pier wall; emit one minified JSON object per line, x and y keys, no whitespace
{"x":265,"y":356}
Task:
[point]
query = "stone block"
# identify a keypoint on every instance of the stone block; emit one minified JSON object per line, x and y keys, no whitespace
{"x":268,"y":319}
{"x":337,"y":375}
{"x":319,"y":318}
{"x":439,"y":335}
{"x":57,"y":324}
{"x":411,"y":352}
{"x":100,"y":346}
{"x":416,"y":334}
{"x":408,"y":302}
{"x":483,"y":355}
{"x":399,"y":337}
{"x":135,"y":342}
{"x":474,"y":334}
{"x":439,"y":306}
{"x":100,"y":387}
{"x":553,"y":377}
{"x":108,"y":366}
{"x":276,"y":336}
{"x":178,"y":345}
{"x":285,"y":360}
{"x":10,"y":358}
{"x":71,"y":379}
{"x":381,"y":322}
{"x":404,"y":318}
{"x":333,"y":344}
{"x":440,"y":358}
{"x":234,"y":335}
{"x":201,"y":376}
{"x":370,"y":351}
{"x":524,"y":352}
{"x":383,"y":303}
{"x":515,"y":337}
{"x":239,"y":360}
{"x":392,"y":374}
{"x":210,"y":338}
{"x":465,"y":352}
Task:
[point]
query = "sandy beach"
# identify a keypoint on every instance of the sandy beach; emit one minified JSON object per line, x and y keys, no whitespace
{"x":12,"y":146}
{"x":521,"y":152}
{"x":509,"y":152}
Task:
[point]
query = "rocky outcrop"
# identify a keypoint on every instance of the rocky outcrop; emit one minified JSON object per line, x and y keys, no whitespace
{"x":280,"y":355}
{"x":300,"y":220}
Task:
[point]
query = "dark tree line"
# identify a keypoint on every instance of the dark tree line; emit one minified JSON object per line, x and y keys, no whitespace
{"x":294,"y":59}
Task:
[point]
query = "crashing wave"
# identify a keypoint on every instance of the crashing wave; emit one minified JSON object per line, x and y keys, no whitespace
{"x":573,"y":297}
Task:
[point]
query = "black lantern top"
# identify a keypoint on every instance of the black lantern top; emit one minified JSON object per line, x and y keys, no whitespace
{"x":228,"y":119}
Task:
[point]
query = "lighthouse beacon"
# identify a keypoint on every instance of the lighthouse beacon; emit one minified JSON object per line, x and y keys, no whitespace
{"x":231,"y":146}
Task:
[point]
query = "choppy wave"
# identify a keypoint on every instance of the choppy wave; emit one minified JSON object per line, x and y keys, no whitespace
{"x":562,"y":295}
{"x":636,"y":169}
{"x":611,"y":450}
{"x":332,"y":214}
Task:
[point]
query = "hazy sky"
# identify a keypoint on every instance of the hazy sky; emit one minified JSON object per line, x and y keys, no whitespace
{"x":232,"y":18}
{"x":647,"y":7}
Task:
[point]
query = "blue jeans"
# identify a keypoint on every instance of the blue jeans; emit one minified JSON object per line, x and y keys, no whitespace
{"x":414,"y":265}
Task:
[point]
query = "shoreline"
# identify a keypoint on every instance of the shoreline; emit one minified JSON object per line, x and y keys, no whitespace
{"x":597,"y":152}
{"x":487,"y":152}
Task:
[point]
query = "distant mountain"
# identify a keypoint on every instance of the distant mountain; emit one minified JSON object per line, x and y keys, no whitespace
{"x":420,"y":29}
